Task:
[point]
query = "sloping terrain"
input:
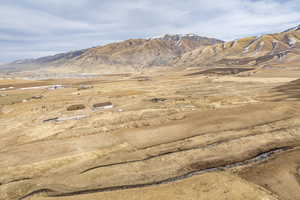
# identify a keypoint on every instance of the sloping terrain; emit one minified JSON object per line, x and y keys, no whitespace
{"x":33,"y":64}
{"x":266,"y":51}
{"x":280,"y":174}
{"x":202,"y":187}
{"x":133,"y":53}
{"x":290,"y":91}
{"x":287,"y":92}
{"x":280,"y":48}
{"x":143,"y":52}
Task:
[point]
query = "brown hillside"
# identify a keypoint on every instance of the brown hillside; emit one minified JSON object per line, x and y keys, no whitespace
{"x":142,"y":52}
{"x":280,"y":48}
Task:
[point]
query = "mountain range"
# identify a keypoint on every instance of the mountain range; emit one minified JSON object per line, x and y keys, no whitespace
{"x":188,"y":50}
{"x":132,"y":53}
{"x":278,"y":48}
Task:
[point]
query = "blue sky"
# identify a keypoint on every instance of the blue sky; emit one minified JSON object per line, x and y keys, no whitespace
{"x":34,"y":28}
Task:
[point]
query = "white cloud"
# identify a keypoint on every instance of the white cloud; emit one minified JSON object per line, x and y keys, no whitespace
{"x":30,"y":28}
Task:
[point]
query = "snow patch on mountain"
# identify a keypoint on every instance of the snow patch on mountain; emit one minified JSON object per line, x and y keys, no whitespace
{"x":296,"y":28}
{"x":292,"y":41}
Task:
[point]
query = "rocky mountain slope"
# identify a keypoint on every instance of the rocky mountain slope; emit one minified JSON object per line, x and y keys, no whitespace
{"x":31,"y":64}
{"x":143,"y":52}
{"x":188,"y":50}
{"x":279,"y":48}
{"x":133,"y":52}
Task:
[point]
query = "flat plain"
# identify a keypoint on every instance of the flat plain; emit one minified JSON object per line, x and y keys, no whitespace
{"x":171,"y":134}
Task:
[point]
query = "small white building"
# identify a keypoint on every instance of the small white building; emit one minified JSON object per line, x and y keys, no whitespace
{"x":104,"y":105}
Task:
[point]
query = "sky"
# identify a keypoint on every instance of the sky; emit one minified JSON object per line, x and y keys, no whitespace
{"x":35,"y":28}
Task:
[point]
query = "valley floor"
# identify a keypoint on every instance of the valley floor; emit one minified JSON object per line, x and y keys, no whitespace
{"x":168,"y":136}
